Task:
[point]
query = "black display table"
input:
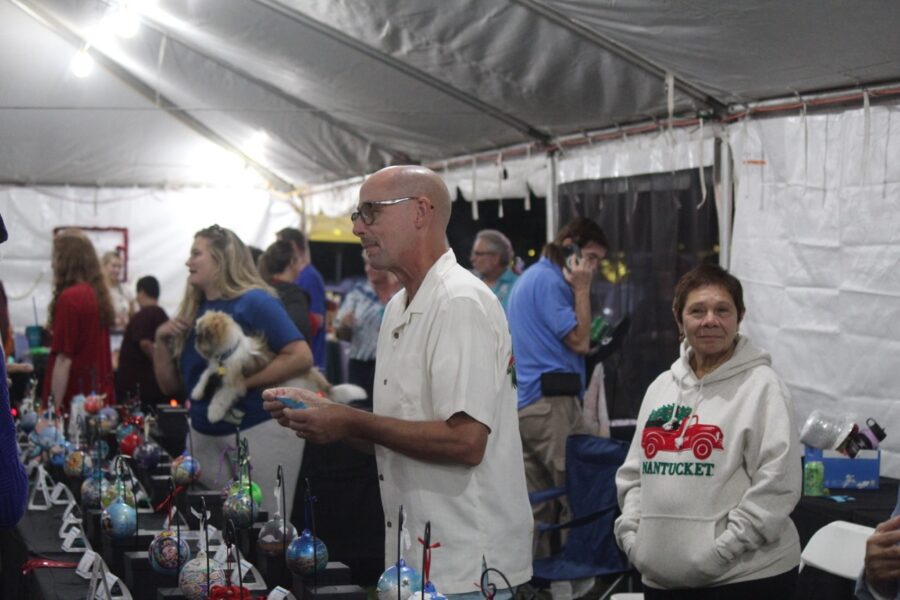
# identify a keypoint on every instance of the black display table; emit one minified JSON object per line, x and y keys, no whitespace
{"x":868,"y":507}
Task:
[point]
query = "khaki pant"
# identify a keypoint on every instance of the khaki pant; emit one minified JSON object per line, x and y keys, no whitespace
{"x":544,"y":427}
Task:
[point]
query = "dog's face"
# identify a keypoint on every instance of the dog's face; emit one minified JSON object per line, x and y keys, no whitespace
{"x":215,"y":333}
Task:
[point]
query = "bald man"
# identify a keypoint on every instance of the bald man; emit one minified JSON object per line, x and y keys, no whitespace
{"x":444,"y":428}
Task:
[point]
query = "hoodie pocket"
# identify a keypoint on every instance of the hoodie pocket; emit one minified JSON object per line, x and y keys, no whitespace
{"x":677,"y":552}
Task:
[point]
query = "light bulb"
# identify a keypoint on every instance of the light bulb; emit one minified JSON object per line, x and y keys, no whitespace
{"x":82,"y":64}
{"x":126,"y":22}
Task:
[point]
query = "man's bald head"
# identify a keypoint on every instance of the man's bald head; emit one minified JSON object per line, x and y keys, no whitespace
{"x":414,"y":180}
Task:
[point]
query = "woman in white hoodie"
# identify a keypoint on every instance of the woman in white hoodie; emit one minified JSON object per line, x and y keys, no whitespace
{"x":714,"y":471}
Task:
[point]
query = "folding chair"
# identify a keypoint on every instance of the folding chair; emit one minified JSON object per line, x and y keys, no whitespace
{"x":838,"y":548}
{"x":590,"y":550}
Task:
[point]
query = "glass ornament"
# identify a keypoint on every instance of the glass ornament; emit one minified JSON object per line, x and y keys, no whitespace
{"x":307,"y":554}
{"x":193,"y":579}
{"x":275,"y":536}
{"x":118,"y":520}
{"x":167,"y":553}
{"x":185,"y":469}
{"x":410,"y":582}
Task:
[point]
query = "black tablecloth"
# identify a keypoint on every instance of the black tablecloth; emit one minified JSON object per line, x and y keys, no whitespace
{"x":36,"y":536}
{"x":868,"y":507}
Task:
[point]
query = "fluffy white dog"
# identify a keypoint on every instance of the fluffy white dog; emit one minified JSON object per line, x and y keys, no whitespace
{"x":232,"y":356}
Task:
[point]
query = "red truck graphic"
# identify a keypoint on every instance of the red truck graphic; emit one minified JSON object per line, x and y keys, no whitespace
{"x":701,"y":439}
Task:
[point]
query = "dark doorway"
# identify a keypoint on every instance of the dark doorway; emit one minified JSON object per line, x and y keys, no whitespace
{"x":659,"y":227}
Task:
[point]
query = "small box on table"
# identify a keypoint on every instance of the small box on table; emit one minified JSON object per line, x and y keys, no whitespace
{"x":843,"y":472}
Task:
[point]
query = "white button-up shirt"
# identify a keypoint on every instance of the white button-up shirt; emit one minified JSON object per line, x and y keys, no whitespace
{"x":448,"y":352}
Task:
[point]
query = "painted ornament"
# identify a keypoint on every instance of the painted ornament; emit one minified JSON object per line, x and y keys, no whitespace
{"x":146,"y":456}
{"x":409,"y":580}
{"x":307,"y":554}
{"x":193,"y":580}
{"x":78,"y":464}
{"x":91,"y":490}
{"x":167,"y":552}
{"x":240,"y":508}
{"x":130,"y":442}
{"x":118,"y":520}
{"x":275,"y":536}
{"x":185,"y":469}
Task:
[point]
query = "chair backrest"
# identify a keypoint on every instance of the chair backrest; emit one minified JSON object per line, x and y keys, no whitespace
{"x":591,"y":465}
{"x":838,"y":548}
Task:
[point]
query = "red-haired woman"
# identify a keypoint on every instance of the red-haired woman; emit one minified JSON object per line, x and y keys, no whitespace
{"x":80,"y":317}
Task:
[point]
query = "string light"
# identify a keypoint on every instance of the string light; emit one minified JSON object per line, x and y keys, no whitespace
{"x":125,"y":22}
{"x":82,"y":64}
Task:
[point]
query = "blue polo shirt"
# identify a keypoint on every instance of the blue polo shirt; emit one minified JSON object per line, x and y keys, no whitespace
{"x":541,"y":314}
{"x":257,"y":313}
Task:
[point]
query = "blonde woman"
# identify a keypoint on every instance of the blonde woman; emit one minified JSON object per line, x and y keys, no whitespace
{"x":81,"y":315}
{"x":122,"y":301}
{"x":221,"y":276}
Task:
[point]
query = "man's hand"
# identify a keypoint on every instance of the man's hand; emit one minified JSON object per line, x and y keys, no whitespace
{"x":579,"y":272}
{"x":276,"y":408}
{"x":883,"y":558}
{"x":322,"y":424}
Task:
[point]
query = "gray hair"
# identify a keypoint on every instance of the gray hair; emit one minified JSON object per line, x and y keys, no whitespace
{"x":499,"y":243}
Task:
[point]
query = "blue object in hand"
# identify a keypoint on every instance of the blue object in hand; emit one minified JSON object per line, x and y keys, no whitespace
{"x":290,"y":403}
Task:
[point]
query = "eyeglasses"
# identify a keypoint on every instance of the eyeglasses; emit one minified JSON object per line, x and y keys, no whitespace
{"x":482,"y":253}
{"x":366,"y":210}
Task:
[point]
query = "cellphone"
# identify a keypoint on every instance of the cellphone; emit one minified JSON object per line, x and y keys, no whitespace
{"x":290,"y":402}
{"x":570,"y":251}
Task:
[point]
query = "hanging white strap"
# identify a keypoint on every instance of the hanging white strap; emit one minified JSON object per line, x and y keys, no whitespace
{"x":474,"y":189}
{"x":805,"y":143}
{"x":277,"y":499}
{"x":500,"y":185}
{"x":528,"y":188}
{"x":405,"y":541}
{"x":700,"y":170}
{"x":670,"y":97}
{"x":867,"y":133}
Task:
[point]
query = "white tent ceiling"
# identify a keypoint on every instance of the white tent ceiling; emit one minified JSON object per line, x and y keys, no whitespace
{"x":343,"y":87}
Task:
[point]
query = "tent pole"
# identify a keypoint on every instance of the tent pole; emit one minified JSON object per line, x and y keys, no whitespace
{"x":552,"y":203}
{"x":726,"y":208}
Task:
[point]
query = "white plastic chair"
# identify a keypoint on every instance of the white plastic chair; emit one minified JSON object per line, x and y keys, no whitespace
{"x":838,"y":548}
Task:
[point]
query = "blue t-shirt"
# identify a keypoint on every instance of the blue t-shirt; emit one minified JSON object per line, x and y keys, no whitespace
{"x":311,"y":280}
{"x":257,"y":313}
{"x":541,"y":314}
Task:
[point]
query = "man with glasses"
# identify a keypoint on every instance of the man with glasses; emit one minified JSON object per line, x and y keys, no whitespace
{"x":444,"y":428}
{"x":491,"y":258}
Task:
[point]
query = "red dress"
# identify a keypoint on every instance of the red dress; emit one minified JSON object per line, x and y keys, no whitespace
{"x":77,"y":333}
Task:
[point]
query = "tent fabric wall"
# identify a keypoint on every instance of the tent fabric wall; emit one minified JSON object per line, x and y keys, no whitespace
{"x":161,"y":225}
{"x":817,"y":247}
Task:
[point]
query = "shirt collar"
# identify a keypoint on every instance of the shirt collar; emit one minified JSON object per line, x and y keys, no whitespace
{"x":422,"y":299}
